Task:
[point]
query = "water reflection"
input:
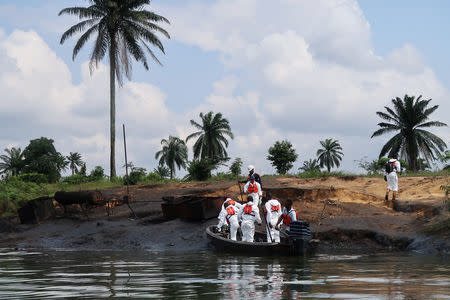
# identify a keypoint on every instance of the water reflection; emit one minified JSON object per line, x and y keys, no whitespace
{"x":209,"y":276}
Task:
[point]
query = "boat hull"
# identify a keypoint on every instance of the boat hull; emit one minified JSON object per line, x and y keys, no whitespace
{"x":286,"y":247}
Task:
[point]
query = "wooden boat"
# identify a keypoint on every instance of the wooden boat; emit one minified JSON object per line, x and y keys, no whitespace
{"x":287,"y":245}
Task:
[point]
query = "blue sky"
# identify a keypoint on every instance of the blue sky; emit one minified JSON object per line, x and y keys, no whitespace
{"x":300,"y":70}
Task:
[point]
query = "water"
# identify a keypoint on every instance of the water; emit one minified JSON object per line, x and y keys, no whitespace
{"x":47,"y":275}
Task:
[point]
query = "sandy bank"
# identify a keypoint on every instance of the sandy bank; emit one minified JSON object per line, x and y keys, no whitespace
{"x":347,"y":214}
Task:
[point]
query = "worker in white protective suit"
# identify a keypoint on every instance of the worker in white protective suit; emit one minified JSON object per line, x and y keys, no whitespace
{"x":272,"y":211}
{"x":392,"y":168}
{"x":253,"y":188}
{"x":247,"y":216}
{"x":231,"y":202}
{"x":229,"y":216}
{"x":289,"y":214}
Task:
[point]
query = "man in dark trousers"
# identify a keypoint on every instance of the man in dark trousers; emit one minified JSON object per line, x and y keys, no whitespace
{"x":251,"y":171}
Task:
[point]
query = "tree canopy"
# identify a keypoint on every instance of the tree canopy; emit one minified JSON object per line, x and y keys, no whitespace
{"x":330,"y":155}
{"x":173,"y":153}
{"x":282,"y":156}
{"x":407,"y":119}
{"x":123,"y":29}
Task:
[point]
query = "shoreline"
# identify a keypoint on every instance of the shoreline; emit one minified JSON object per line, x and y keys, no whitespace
{"x":355,"y":218}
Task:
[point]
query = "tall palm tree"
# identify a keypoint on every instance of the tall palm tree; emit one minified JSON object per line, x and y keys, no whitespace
{"x":407,"y":119}
{"x":123,"y":29}
{"x":211,"y":142}
{"x":174,"y":152}
{"x":12,"y":163}
{"x":330,"y":155}
{"x":74,"y":160}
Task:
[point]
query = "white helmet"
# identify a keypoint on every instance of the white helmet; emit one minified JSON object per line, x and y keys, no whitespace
{"x":250,"y":167}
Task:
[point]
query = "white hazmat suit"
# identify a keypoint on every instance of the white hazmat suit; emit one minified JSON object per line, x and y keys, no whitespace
{"x":392,"y":178}
{"x":232,"y":202}
{"x":248,"y":214}
{"x":273,"y":210}
{"x":254,"y":190}
{"x":229,"y":216}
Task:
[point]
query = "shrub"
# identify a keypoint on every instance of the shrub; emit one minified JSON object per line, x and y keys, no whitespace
{"x":33,"y":177}
{"x":76,"y":179}
{"x":138,"y":174}
{"x":200,"y":170}
{"x":235,"y":167}
{"x":154,"y":176}
{"x":97,"y":174}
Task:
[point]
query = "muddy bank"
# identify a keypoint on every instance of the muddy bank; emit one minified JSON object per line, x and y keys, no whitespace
{"x":349,"y":215}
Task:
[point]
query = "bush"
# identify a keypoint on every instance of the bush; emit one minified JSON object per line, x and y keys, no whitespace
{"x":33,"y":177}
{"x":200,"y":170}
{"x":135,"y":176}
{"x":15,"y":192}
{"x":154,"y":176}
{"x":97,"y":174}
{"x":235,"y":167}
{"x":76,"y":179}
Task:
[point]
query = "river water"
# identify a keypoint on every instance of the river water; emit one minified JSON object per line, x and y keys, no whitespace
{"x":206,"y":275}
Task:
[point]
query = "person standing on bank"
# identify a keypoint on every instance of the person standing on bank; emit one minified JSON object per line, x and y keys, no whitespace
{"x":272,"y":211}
{"x":253,"y":188}
{"x":251,"y":171}
{"x":392,"y":168}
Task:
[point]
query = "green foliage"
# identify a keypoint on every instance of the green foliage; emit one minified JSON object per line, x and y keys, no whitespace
{"x":123,"y":29}
{"x":14,"y":193}
{"x":75,"y":161}
{"x":282,"y":155}
{"x":174,"y":153}
{"x":12,"y":163}
{"x":408,"y":119}
{"x":97,"y":174}
{"x":372,"y":167}
{"x":162,"y":171}
{"x":82,"y":170}
{"x":445,"y":158}
{"x":33,"y":177}
{"x":330,"y":155}
{"x":211,"y":136}
{"x":383,"y":160}
{"x":235,"y":168}
{"x":153,"y":176}
{"x":136,"y":175}
{"x":200,"y":170}
{"x":76,"y":179}
{"x":310,"y":165}
{"x":40,"y":156}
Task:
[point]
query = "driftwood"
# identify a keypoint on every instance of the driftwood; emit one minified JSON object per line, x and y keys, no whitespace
{"x":91,"y":198}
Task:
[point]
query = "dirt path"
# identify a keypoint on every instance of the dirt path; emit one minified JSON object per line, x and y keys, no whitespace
{"x":345,"y":213}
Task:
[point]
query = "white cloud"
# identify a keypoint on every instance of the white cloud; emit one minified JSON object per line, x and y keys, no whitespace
{"x":39,"y":99}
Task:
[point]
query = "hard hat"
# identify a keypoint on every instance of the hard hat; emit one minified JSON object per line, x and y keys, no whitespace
{"x":250,"y":167}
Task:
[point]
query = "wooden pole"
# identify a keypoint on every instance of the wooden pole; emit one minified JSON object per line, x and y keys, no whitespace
{"x":127,"y":197}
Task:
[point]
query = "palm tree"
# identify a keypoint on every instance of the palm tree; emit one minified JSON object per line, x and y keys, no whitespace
{"x":74,"y":160}
{"x":162,"y":171}
{"x":408,"y":118}
{"x":12,"y":162}
{"x":331,"y":154}
{"x":310,"y":165}
{"x":123,"y":29}
{"x":174,"y":152}
{"x":211,"y":142}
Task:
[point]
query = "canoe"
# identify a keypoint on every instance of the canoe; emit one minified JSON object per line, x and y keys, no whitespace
{"x":287,"y":246}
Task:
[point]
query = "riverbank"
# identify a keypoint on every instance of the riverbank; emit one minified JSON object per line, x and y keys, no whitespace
{"x":345,"y":213}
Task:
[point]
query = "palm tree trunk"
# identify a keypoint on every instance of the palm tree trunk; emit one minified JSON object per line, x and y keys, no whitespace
{"x":112,"y":90}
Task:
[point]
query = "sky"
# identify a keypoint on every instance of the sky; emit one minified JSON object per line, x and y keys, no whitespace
{"x":298,"y":70}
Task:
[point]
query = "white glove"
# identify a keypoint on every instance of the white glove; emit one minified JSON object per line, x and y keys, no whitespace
{"x":219,"y":230}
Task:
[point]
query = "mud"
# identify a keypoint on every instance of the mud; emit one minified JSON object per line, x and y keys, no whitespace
{"x":345,"y":214}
